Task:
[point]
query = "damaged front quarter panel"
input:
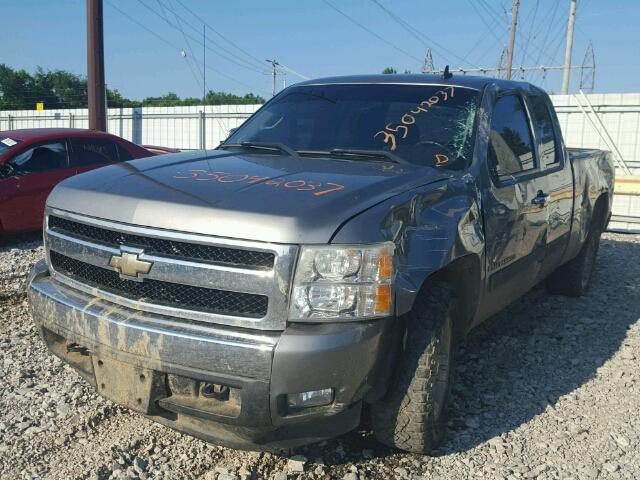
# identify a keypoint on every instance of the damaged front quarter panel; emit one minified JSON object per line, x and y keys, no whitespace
{"x":432,"y":227}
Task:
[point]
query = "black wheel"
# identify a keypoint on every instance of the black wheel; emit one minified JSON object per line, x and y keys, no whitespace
{"x":572,"y":279}
{"x":413,"y":414}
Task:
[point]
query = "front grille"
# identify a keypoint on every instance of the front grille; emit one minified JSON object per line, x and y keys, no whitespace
{"x":164,"y":247}
{"x":162,"y":293}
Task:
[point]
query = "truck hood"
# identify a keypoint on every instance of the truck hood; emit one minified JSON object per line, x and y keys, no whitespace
{"x":264,"y":197}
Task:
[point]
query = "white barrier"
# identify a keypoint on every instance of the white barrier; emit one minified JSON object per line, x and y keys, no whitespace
{"x":185,"y":128}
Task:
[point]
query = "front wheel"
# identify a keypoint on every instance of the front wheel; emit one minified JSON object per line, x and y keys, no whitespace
{"x":413,"y":414}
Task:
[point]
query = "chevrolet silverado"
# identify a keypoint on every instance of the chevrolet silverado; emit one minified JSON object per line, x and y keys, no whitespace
{"x":328,"y":255}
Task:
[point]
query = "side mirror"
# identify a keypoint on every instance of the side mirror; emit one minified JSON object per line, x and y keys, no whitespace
{"x":232,"y":131}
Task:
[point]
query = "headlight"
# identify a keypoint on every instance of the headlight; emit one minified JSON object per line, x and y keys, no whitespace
{"x":343,"y":282}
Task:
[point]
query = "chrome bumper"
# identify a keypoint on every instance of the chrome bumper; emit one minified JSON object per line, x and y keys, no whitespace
{"x":263,"y":367}
{"x":150,"y":340}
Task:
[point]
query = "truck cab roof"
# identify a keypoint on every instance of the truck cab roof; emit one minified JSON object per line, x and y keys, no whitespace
{"x":469,"y":81}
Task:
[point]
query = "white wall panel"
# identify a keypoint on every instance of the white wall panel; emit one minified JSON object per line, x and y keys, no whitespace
{"x":177,"y":127}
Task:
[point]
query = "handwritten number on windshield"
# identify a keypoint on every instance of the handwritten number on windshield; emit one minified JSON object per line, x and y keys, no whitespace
{"x":390,"y":131}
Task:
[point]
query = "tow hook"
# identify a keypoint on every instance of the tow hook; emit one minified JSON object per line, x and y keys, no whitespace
{"x":214,"y":390}
{"x":75,"y":348}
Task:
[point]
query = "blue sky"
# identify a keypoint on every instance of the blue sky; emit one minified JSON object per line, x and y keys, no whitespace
{"x":314,"y":39}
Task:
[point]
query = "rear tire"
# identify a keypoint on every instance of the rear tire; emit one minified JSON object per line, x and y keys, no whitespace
{"x":572,"y":279}
{"x":413,"y":414}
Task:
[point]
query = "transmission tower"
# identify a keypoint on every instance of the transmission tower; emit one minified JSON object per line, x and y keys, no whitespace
{"x":501,"y":62}
{"x":505,"y":69}
{"x":428,"y":67}
{"x":588,"y":70}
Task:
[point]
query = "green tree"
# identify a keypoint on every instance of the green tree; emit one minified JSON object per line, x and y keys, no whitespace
{"x":16,"y":89}
{"x":20,"y":90}
{"x":60,"y":89}
{"x":389,"y":71}
{"x":116,"y":100}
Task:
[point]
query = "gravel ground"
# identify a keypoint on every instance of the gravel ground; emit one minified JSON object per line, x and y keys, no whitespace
{"x":548,"y":389}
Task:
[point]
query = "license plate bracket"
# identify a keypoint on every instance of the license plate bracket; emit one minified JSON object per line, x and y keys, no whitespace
{"x":123,"y":383}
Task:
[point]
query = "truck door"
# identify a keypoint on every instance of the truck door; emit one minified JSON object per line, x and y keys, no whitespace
{"x":558,"y":174}
{"x":514,"y":204}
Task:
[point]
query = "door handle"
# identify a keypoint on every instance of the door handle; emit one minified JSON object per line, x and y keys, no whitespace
{"x":540,"y":199}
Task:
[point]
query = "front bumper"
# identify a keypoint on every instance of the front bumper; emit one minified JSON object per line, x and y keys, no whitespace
{"x":158,"y":365}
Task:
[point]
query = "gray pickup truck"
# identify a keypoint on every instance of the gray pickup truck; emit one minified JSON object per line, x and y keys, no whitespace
{"x":327,"y":256}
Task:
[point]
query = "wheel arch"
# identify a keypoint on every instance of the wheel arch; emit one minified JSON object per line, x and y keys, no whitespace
{"x":601,"y":212}
{"x":464,"y":277}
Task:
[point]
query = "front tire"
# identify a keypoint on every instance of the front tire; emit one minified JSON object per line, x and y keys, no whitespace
{"x":413,"y":414}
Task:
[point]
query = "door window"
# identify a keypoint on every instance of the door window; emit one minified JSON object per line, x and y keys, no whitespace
{"x":91,"y":151}
{"x":41,"y":158}
{"x":510,"y":143}
{"x":544,"y":129}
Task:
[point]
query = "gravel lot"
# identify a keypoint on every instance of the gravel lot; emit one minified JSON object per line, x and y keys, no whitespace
{"x":548,"y":389}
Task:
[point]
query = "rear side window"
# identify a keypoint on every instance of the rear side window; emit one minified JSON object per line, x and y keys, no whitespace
{"x":510,"y":142}
{"x":124,"y":154}
{"x":544,"y":129}
{"x":92,"y":151}
{"x":41,"y":158}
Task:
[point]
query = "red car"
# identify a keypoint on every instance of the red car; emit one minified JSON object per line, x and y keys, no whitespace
{"x":33,"y":161}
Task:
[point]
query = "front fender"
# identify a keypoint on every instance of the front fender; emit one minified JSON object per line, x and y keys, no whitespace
{"x":431,"y":226}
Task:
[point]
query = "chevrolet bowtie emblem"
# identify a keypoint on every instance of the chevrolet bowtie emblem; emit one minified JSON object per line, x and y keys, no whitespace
{"x":129,"y":265}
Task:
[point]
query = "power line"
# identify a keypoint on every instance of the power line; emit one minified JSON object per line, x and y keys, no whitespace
{"x":523,"y":57}
{"x":492,"y":12}
{"x":546,"y":36}
{"x":237,"y":61}
{"x":159,"y":37}
{"x":417,"y":33}
{"x":491,"y":29}
{"x":294,"y":72}
{"x":200,"y":19}
{"x":233,"y":44}
{"x":162,"y":9}
{"x":366,"y":29}
{"x":186,"y":40}
{"x":201,"y":83}
{"x":166,"y":42}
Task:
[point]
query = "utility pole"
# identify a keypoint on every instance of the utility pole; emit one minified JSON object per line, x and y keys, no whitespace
{"x":96,"y":88}
{"x":274,"y":72}
{"x":512,"y":37}
{"x":204,"y":64}
{"x":567,"y":53}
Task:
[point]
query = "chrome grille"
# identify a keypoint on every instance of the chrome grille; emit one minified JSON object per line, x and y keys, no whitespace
{"x":161,"y":246}
{"x":196,"y":277}
{"x":163,"y":293}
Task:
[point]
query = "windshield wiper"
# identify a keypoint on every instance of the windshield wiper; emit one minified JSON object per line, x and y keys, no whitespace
{"x":270,"y":146}
{"x":354,"y":154}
